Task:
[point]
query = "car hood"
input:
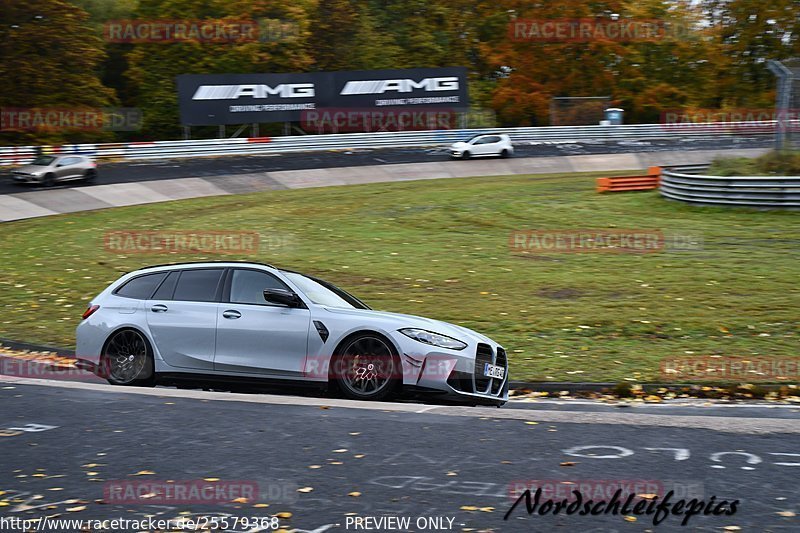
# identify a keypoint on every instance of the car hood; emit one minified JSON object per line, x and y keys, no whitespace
{"x":397,"y":321}
{"x":30,"y":168}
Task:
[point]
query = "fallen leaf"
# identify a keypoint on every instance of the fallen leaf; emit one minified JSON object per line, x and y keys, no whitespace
{"x":486,"y":509}
{"x":305,"y":489}
{"x":261,"y":505}
{"x":354,"y":433}
{"x":732,"y":528}
{"x":468,"y":508}
{"x":144,"y":473}
{"x":359,"y":456}
{"x":240,"y":500}
{"x":76,"y":509}
{"x":336,"y":463}
{"x":314,"y":467}
{"x":340,"y":450}
{"x":568,"y":463}
{"x":210,"y":479}
{"x":532,"y":423}
{"x":630,"y":518}
{"x":354,"y":494}
{"x":285,"y":515}
{"x":452,"y":474}
{"x":647,"y":496}
{"x":785,"y":513}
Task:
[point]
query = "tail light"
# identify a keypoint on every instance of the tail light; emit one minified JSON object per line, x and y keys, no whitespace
{"x":90,"y":311}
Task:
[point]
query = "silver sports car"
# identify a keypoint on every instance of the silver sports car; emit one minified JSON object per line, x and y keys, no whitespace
{"x":253,"y":322}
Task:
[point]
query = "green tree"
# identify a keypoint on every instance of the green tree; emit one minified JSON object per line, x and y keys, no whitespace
{"x":50,"y":57}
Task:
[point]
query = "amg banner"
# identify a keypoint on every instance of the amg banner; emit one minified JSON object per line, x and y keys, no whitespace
{"x":211,"y":99}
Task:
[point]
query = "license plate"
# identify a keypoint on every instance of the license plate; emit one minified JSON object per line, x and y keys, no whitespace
{"x":494,"y":371}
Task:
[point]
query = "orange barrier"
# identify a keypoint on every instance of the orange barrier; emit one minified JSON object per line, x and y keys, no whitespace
{"x":630,"y":183}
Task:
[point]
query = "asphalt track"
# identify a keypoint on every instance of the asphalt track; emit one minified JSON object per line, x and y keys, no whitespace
{"x":138,"y":171}
{"x":328,"y":462}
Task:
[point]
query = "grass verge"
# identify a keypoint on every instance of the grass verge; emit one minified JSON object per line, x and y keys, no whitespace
{"x":440,"y":248}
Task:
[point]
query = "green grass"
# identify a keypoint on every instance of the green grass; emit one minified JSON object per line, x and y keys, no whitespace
{"x":774,"y":163}
{"x":439,"y":248}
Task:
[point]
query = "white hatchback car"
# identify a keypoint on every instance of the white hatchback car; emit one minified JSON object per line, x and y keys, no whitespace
{"x":483,"y":145}
{"x":251,"y":321}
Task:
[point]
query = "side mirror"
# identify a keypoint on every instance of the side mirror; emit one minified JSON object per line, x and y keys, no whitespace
{"x":282,"y":297}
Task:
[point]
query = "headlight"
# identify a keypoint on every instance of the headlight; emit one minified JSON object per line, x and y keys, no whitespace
{"x":434,"y":339}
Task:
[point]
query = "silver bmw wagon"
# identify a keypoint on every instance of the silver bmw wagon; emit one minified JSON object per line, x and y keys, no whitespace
{"x":249,"y":322}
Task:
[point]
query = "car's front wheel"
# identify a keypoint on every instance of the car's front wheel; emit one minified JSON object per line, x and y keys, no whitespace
{"x":367,"y":368}
{"x":127,"y":359}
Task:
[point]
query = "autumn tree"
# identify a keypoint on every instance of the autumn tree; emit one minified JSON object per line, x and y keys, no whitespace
{"x":50,"y":57}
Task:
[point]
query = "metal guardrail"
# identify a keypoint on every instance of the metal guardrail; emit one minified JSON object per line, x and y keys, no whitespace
{"x":349,"y":141}
{"x":685,"y":184}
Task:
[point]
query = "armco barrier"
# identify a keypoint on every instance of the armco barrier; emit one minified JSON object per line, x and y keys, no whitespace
{"x":305,"y":143}
{"x":747,"y":191}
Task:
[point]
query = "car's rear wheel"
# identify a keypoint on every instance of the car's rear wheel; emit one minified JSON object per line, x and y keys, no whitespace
{"x":504,"y":153}
{"x":127,"y":359}
{"x":367,"y":368}
{"x":89,"y":176}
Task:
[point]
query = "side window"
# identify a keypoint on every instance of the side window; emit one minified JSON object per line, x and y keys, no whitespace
{"x":480,"y":140}
{"x":166,"y":290}
{"x":68,"y":161}
{"x":198,"y":285}
{"x":494,"y":139}
{"x":247,"y":286}
{"x":141,"y":287}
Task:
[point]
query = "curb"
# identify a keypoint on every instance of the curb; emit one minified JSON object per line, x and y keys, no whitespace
{"x":537,"y":386}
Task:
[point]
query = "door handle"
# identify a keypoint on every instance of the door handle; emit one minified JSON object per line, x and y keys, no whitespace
{"x":158,"y":308}
{"x":230,"y":313}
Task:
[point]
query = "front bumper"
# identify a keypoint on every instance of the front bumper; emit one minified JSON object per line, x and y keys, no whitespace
{"x":459,"y":375}
{"x":25,"y":178}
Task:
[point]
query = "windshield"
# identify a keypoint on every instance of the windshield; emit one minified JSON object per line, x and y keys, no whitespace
{"x":474,"y":137}
{"x":43,"y":160}
{"x":323,"y":293}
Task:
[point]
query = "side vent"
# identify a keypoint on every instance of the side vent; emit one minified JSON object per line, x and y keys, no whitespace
{"x":322,"y":330}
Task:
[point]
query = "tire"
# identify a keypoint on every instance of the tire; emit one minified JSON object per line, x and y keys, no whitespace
{"x":49,"y":180}
{"x":504,"y":154}
{"x":127,"y":359}
{"x":465,"y":155}
{"x":367,"y":367}
{"x":90,"y":176}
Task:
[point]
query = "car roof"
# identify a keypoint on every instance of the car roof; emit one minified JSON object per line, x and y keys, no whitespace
{"x":209,"y":263}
